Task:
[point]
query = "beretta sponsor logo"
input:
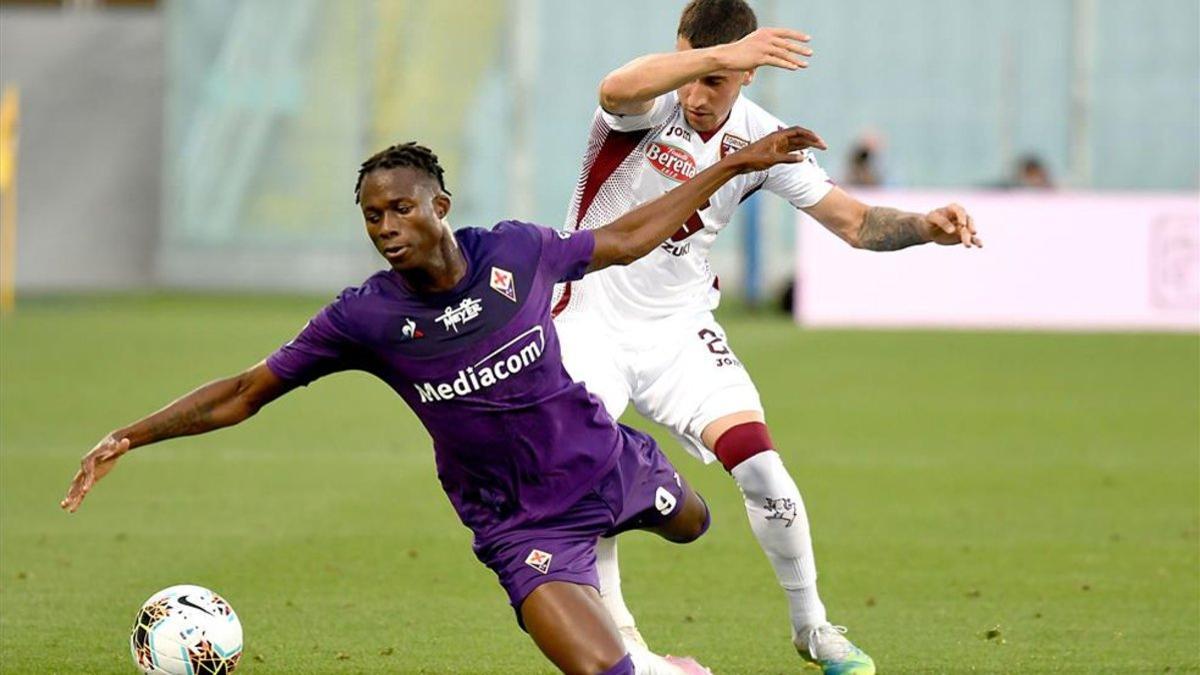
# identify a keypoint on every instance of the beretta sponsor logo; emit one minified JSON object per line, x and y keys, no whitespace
{"x":671,"y":161}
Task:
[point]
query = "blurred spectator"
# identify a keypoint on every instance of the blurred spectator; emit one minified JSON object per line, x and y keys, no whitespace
{"x":1031,"y":173}
{"x":864,"y":168}
{"x":787,"y":299}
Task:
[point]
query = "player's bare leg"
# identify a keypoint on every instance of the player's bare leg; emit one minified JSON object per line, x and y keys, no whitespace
{"x":644,"y":660}
{"x":689,"y":522}
{"x":573,"y":629}
{"x":779,"y":522}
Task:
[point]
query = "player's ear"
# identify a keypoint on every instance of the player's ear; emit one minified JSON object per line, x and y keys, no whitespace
{"x":748,"y":76}
{"x":441,"y":205}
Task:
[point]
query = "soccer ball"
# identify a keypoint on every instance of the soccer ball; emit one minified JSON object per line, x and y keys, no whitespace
{"x":186,"y":630}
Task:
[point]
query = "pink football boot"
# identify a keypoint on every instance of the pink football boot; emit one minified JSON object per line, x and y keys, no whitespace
{"x":687,"y":665}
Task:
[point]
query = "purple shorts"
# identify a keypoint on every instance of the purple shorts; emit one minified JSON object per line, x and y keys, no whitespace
{"x":642,"y":490}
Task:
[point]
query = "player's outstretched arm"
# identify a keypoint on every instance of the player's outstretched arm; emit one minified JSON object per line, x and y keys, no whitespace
{"x":217,"y":404}
{"x":880,"y":228}
{"x":632,"y":88}
{"x":640,"y":231}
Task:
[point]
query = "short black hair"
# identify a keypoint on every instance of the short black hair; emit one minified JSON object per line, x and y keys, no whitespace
{"x":411,"y":154}
{"x":707,"y":23}
{"x":1031,"y":163}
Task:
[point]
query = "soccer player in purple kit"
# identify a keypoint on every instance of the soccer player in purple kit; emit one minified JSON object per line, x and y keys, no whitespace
{"x":460,"y":328}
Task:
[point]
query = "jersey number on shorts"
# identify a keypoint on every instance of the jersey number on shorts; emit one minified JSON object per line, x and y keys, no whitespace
{"x":664,"y":501}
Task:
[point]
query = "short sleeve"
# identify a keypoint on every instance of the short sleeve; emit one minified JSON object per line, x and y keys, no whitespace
{"x":561,"y":255}
{"x":566,"y":255}
{"x":803,"y":183}
{"x":658,"y":113}
{"x":322,"y":347}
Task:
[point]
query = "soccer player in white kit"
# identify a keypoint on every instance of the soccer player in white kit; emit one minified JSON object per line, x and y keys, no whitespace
{"x":646,"y":334}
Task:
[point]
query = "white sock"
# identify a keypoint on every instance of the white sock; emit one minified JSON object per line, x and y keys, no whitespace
{"x":778,"y":519}
{"x":646,"y":662}
{"x":610,"y":582}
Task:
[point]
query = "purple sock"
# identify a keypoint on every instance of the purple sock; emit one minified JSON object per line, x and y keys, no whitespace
{"x":622,"y":667}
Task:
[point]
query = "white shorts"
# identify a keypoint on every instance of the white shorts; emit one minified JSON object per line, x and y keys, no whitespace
{"x":679,"y":371}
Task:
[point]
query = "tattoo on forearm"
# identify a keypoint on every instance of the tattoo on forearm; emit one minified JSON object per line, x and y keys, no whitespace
{"x":191,"y":420}
{"x":886,"y":229}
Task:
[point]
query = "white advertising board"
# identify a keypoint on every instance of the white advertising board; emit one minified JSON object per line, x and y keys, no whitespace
{"x":1072,"y":261}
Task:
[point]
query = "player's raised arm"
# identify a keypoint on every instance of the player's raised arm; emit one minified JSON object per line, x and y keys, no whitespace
{"x":640,"y":231}
{"x":632,"y":88}
{"x":215,"y":405}
{"x":881,"y":228}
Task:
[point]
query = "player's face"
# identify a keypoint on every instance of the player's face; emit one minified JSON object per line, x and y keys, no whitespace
{"x":403,"y":209}
{"x":707,"y":101}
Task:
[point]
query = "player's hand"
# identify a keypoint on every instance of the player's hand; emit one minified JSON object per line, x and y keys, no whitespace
{"x":94,"y":466}
{"x":779,"y":47}
{"x":780,"y":147}
{"x":952,"y":225}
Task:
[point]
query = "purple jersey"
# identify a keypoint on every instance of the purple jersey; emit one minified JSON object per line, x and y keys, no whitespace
{"x":515,"y":439}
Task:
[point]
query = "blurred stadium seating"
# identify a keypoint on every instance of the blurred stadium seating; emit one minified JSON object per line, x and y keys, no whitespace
{"x":211,"y":143}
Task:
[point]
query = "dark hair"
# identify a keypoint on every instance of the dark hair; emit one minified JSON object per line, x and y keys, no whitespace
{"x":706,"y":23}
{"x":1031,"y":163}
{"x":411,"y":154}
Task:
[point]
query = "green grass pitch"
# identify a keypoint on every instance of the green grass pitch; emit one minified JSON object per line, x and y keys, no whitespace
{"x":981,"y":502}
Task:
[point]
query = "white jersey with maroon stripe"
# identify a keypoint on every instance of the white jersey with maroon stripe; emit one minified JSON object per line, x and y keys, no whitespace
{"x":633,"y":159}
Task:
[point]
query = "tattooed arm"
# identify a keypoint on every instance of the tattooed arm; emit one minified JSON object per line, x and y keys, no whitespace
{"x":886,"y":229}
{"x":879,"y":228}
{"x":218,"y":404}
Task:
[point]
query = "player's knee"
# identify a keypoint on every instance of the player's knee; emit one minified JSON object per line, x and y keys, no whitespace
{"x":705,"y":519}
{"x":741,"y":442}
{"x":764,"y":475}
{"x":692,"y":523}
